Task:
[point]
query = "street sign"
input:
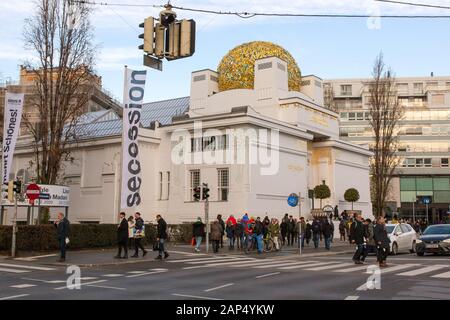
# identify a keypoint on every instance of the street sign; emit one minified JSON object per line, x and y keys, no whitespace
{"x":424,"y":199}
{"x":293,"y":200}
{"x":33,"y":192}
{"x":44,"y":196}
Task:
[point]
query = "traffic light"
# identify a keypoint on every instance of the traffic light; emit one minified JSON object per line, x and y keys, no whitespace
{"x":167,"y":17}
{"x":197,"y":191}
{"x":14,"y":187}
{"x":205,"y":191}
{"x":148,"y":35}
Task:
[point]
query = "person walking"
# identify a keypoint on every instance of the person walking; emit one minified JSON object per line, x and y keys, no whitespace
{"x":382,"y":241}
{"x":161,"y":237}
{"x":198,"y":231}
{"x":290,"y":231}
{"x":316,"y":230}
{"x":284,"y":228}
{"x":230,"y":230}
{"x":216,"y":235}
{"x":308,"y":233}
{"x":327,"y":232}
{"x":302,"y":235}
{"x":342,"y":230}
{"x":258,"y":233}
{"x":369,"y":244}
{"x":239,"y":234}
{"x":122,"y":237}
{"x":222,"y":224}
{"x":62,"y":225}
{"x":357,"y":237}
{"x":274,"y":229}
{"x":130,"y":232}
{"x":138,"y":235}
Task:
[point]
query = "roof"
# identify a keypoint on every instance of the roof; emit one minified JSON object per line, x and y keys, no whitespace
{"x":106,"y":123}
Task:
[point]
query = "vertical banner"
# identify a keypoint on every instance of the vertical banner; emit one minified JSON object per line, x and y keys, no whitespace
{"x":131,"y":166}
{"x":11,"y":128}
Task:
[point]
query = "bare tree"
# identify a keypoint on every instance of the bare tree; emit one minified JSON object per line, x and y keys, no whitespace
{"x":385,"y":114}
{"x":60,"y":35}
{"x":328,"y":97}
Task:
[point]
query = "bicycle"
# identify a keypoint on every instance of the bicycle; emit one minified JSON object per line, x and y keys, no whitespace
{"x":269,"y":243}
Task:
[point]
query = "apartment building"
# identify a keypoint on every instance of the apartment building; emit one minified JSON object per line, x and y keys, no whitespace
{"x":424,"y":138}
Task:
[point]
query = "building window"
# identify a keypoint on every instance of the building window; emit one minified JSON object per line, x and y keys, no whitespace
{"x":351,"y":116}
{"x":160,"y":186}
{"x":195,"y":182}
{"x":444,"y":162}
{"x":346,"y":90}
{"x":223,"y":184}
{"x":168,"y":185}
{"x":212,"y":143}
{"x":418,"y":87}
{"x":427,"y":162}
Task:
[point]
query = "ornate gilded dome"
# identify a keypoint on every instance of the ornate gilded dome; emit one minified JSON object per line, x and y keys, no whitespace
{"x":236,"y":70}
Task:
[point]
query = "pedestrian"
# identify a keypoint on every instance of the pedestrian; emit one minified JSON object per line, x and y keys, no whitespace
{"x":336,"y":213}
{"x":130,"y":232}
{"x":198,"y":231}
{"x":138,"y":235}
{"x":258,"y":234}
{"x":161,"y":237}
{"x":239,"y":234}
{"x":284,"y":228}
{"x":274,"y":229}
{"x":266,"y":223}
{"x":230,"y":229}
{"x":122,"y":237}
{"x":357,"y":237}
{"x":369,"y":243}
{"x":216,"y":235}
{"x":231,"y":219}
{"x":316,"y":230}
{"x":332,"y":230}
{"x":222,"y":224}
{"x":342,"y":230}
{"x":382,"y":241}
{"x":62,"y":225}
{"x":308,"y":233}
{"x":248,"y":231}
{"x":290,"y":231}
{"x":349,"y":224}
{"x":327,"y":232}
{"x":302,"y":227}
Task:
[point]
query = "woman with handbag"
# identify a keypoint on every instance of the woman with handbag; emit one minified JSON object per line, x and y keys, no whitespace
{"x":198,"y":232}
{"x":139,"y":227}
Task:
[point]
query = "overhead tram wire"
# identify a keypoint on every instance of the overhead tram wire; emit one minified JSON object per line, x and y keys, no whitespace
{"x":415,"y":4}
{"x":247,"y":15}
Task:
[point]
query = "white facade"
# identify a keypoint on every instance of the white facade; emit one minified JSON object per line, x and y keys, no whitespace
{"x":302,"y":150}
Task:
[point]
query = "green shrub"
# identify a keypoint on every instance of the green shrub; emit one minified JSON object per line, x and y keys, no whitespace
{"x":351,"y":195}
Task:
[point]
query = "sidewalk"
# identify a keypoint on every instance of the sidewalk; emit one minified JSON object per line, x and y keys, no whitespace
{"x":105,"y":257}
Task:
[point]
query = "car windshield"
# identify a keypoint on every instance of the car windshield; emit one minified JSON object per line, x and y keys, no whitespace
{"x":389,"y":229}
{"x":438,"y":230}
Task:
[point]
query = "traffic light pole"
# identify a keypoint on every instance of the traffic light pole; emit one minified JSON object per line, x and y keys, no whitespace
{"x":300,"y":223}
{"x":207,"y":224}
{"x":13,"y":241}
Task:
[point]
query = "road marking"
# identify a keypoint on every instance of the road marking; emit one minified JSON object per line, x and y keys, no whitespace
{"x":45,"y":281}
{"x":88,"y":278}
{"x":329,"y":267}
{"x":352,"y":298}
{"x":355,"y":268}
{"x":267,"y":275}
{"x":26,"y":267}
{"x":306,"y":265}
{"x":444,"y":275}
{"x":282,"y":264}
{"x":395,"y":268}
{"x":362,"y":287}
{"x":188,"y":253}
{"x":13,"y":270}
{"x":35,"y":257}
{"x":221,"y":260}
{"x":82,"y":284}
{"x":113,"y":275}
{"x":202,"y":259}
{"x":219,"y":287}
{"x":196,"y":267}
{"x":136,"y":272}
{"x":159,"y":269}
{"x":145,"y":274}
{"x":421,"y":271}
{"x":195,"y":297}
{"x":240,"y":262}
{"x":23,"y":286}
{"x":13,"y":297}
{"x":105,"y":287}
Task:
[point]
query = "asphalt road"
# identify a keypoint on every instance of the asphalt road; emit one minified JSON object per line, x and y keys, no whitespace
{"x":224,"y":277}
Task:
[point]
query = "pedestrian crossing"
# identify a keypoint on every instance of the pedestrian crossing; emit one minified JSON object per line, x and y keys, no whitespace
{"x":404,"y":270}
{"x":20,"y":268}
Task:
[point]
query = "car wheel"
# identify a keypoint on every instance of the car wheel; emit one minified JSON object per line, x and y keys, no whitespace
{"x":420,"y":254}
{"x":394,"y":249}
{"x":413,"y":248}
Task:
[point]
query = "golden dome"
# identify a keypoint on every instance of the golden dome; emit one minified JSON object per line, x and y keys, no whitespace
{"x":237,"y":68}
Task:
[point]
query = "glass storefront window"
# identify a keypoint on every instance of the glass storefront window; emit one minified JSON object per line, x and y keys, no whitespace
{"x":407,"y":184}
{"x":408,"y":196}
{"x":424,"y":184}
{"x":441,"y":183}
{"x":441,"y":197}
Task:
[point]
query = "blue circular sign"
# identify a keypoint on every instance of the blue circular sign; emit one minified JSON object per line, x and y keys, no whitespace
{"x":293,"y":200}
{"x":426,"y":200}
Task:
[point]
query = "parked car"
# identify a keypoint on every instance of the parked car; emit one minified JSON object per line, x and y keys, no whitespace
{"x":403,"y":237}
{"x":435,"y":239}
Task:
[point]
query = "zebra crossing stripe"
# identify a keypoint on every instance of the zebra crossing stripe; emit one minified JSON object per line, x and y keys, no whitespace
{"x":339,"y":265}
{"x":237,"y":263}
{"x":421,"y":271}
{"x":26,"y":267}
{"x":222,"y":260}
{"x":445,"y":275}
{"x":354,"y":268}
{"x":395,"y":268}
{"x":13,"y":270}
{"x":202,"y":259}
{"x":307,"y":265}
{"x":282,"y":264}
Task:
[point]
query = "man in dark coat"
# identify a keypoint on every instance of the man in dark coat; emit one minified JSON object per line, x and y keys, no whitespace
{"x":327,"y":231}
{"x":161,"y":237}
{"x":222,"y":224}
{"x":122,"y":236}
{"x":357,"y":237}
{"x":382,"y":241}
{"x":62,"y":225}
{"x":284,"y":228}
{"x":139,"y":226}
{"x":317,"y":231}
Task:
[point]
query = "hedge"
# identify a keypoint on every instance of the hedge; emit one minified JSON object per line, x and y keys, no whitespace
{"x":82,"y":236}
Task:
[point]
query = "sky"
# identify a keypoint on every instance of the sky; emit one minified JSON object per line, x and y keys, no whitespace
{"x":328,"y":48}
